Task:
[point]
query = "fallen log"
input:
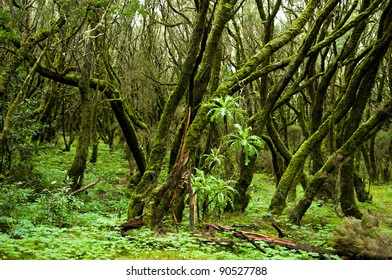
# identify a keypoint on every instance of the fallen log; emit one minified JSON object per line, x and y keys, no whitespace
{"x":253,"y":237}
{"x":132,"y":224}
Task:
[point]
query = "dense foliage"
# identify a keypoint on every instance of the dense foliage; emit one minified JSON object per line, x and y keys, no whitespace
{"x":176,"y":113}
{"x":44,"y":221}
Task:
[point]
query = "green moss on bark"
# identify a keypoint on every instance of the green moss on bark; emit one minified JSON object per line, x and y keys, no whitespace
{"x":348,"y":148}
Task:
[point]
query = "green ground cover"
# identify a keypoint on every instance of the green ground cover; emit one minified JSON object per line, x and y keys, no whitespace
{"x":40,"y":219}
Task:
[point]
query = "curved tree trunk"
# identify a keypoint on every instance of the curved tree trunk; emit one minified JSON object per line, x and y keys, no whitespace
{"x":24,"y":49}
{"x":349,"y":147}
{"x":276,"y":92}
{"x":148,"y":181}
{"x":76,"y":172}
{"x":233,"y":83}
{"x":278,"y":202}
{"x":18,"y":99}
{"x":347,"y":184}
{"x":158,"y":201}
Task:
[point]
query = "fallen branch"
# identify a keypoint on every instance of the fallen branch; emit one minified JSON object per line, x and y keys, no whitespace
{"x":251,"y":241}
{"x":252,"y":237}
{"x":86,"y":187}
{"x":222,"y":242}
{"x":216,"y":239}
{"x":280,"y":232}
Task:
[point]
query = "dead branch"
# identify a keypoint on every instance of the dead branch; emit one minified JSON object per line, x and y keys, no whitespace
{"x":215,"y":239}
{"x":280,"y":232}
{"x":192,"y":203}
{"x":86,"y":187}
{"x":222,"y":242}
{"x":253,"y":237}
{"x":250,"y":240}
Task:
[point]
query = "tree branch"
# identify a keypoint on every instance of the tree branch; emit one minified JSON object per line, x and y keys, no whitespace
{"x":86,"y":187}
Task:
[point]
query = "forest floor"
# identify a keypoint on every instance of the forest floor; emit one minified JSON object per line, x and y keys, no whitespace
{"x":40,"y":219}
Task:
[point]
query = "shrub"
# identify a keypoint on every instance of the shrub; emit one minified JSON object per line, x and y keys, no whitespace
{"x":58,"y":207}
{"x":212,"y":194}
{"x":361,"y":239}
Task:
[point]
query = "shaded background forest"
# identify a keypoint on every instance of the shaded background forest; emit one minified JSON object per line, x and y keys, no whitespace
{"x":202,"y":95}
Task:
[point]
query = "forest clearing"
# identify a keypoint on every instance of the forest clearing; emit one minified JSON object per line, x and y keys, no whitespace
{"x":196,"y":129}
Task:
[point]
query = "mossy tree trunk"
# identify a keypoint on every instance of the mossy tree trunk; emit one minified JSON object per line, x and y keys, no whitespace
{"x":278,"y":202}
{"x":234,"y":83}
{"x":116,"y":104}
{"x":366,"y":160}
{"x":149,"y":179}
{"x":358,"y":81}
{"x":271,"y":103}
{"x":10,"y":69}
{"x":94,"y":129}
{"x":18,"y":99}
{"x":364,"y":131}
{"x":276,"y":157}
{"x":279,"y":88}
{"x":372,"y":158}
{"x":24,"y":49}
{"x":75,"y":173}
{"x":360,"y":188}
{"x":160,"y":198}
{"x":51,"y":104}
{"x":347,"y":182}
{"x":347,"y":198}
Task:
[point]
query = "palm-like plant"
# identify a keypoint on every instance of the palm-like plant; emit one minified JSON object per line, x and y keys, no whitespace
{"x":226,"y":108}
{"x":211,"y":193}
{"x":214,"y":159}
{"x":243,"y":140}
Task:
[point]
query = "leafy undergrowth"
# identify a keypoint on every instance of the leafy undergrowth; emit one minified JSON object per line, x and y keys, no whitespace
{"x":44,"y":221}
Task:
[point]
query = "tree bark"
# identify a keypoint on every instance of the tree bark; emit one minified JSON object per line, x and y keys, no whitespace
{"x":19,"y":98}
{"x":232,"y":85}
{"x":292,"y":68}
{"x":116,"y":103}
{"x":235,"y":81}
{"x":160,"y":197}
{"x":75,"y":173}
{"x":278,"y":201}
{"x":347,"y":184}
{"x":148,"y":181}
{"x":347,"y":149}
{"x":24,"y":49}
{"x":360,"y":189}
